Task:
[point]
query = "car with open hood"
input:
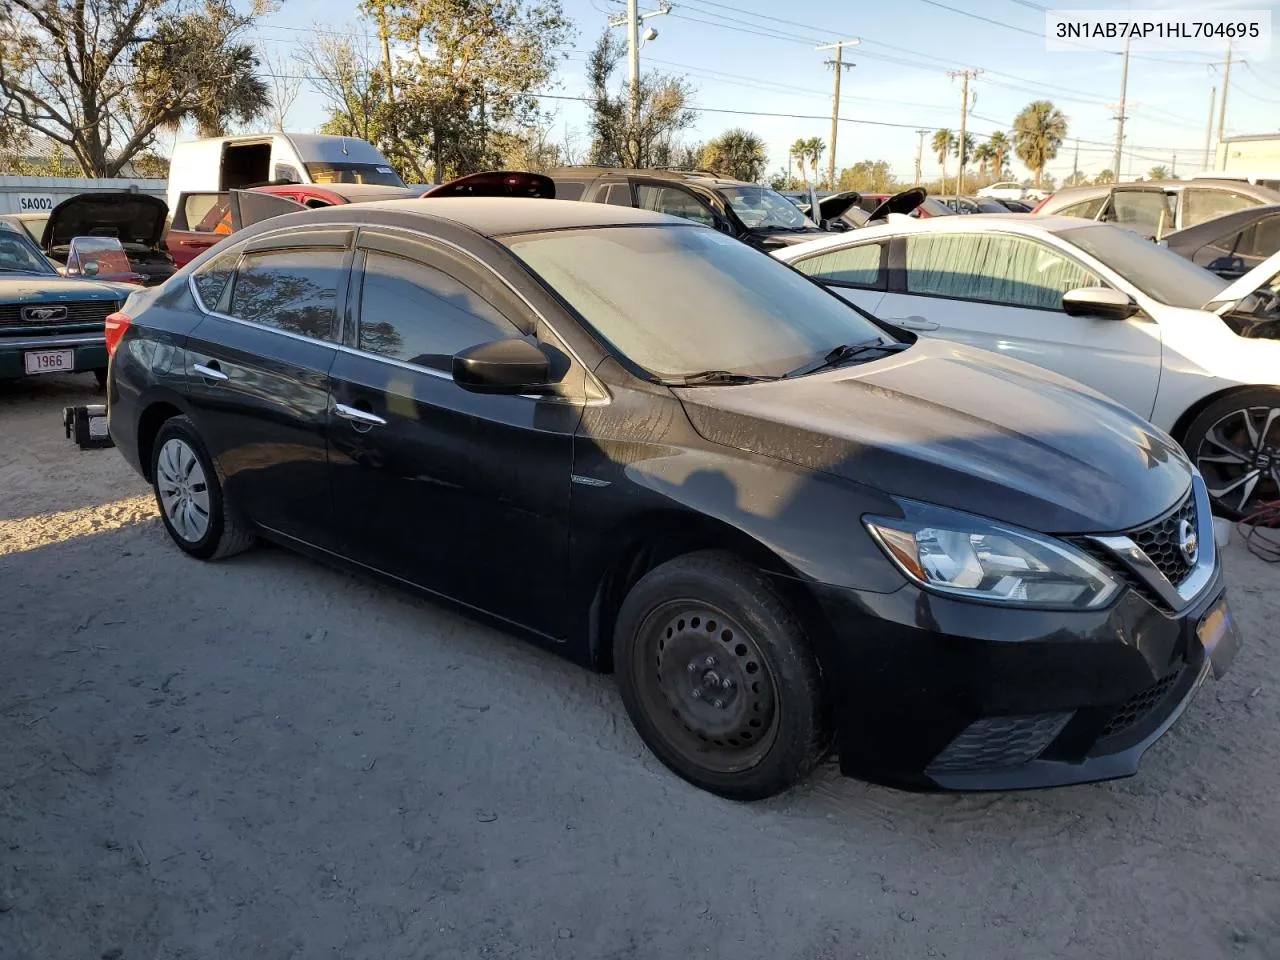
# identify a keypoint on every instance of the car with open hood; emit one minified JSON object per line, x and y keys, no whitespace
{"x":137,"y":220}
{"x":1097,"y":303}
{"x":656,"y":451}
{"x":50,"y":323}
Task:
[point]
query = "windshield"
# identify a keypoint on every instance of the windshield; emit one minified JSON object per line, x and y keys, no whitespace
{"x":1155,"y":270}
{"x":19,"y":256}
{"x":760,"y":208}
{"x":377,"y":173}
{"x":681,"y":300}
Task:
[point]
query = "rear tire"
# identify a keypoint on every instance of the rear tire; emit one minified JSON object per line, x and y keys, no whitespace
{"x":718,"y":677}
{"x":189,"y":496}
{"x":1235,"y":442}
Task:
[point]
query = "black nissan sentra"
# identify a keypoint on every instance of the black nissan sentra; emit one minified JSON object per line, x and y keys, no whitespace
{"x":783,"y":525}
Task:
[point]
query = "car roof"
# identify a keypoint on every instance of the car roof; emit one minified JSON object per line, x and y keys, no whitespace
{"x":487,"y":216}
{"x":351,"y":192}
{"x":687,"y":176}
{"x":1023,"y":223}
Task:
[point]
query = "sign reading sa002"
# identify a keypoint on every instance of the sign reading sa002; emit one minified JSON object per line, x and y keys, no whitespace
{"x":35,"y":202}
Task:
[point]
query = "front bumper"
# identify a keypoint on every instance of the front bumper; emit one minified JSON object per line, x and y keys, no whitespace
{"x":931,"y":692}
{"x":90,"y":351}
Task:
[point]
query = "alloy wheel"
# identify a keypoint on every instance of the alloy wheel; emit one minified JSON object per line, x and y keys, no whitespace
{"x":707,"y":686}
{"x":183,"y":489}
{"x":1239,"y":457}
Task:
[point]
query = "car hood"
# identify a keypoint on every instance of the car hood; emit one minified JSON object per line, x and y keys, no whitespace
{"x":960,"y":428}
{"x":130,"y":217}
{"x":31,"y":289}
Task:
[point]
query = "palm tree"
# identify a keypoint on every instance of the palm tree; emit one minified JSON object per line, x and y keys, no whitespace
{"x":814,"y":148}
{"x":1106,"y":176}
{"x":738,"y":154}
{"x":1000,"y":150}
{"x":942,"y":143}
{"x":983,"y":155}
{"x":967,"y":153}
{"x":1160,"y":172}
{"x":800,"y":150}
{"x":1038,"y":132}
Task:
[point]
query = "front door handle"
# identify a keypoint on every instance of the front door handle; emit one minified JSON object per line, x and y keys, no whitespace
{"x":914,"y":322}
{"x":360,"y":419}
{"x":210,"y":371}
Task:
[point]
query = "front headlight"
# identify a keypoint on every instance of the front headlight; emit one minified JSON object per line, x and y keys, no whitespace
{"x":967,"y":556}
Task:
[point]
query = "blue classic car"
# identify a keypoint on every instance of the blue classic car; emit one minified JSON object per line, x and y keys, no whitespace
{"x":48,"y":323}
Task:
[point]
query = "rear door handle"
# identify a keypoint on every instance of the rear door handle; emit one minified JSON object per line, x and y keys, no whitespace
{"x":359,"y":418}
{"x":210,"y":371}
{"x":914,"y":323}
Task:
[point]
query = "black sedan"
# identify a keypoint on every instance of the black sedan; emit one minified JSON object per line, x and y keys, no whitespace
{"x":661,"y":453}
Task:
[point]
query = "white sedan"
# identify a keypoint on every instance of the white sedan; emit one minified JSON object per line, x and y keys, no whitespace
{"x":1005,"y":190}
{"x":1135,"y":321}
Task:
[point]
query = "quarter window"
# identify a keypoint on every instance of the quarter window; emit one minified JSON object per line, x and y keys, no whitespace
{"x":410,"y":311}
{"x":291,"y":290}
{"x":674,"y":202}
{"x":854,"y":266}
{"x":618,"y":194}
{"x":211,"y":279}
{"x":997,"y":268}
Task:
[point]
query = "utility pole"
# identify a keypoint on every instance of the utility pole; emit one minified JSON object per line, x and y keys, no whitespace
{"x":1120,"y":115}
{"x":1222,"y":104}
{"x":1173,"y":170}
{"x":633,"y":20}
{"x":920,"y":152}
{"x":839,"y":66}
{"x":966,"y":75}
{"x":1208,"y":130}
{"x":1075,"y":164}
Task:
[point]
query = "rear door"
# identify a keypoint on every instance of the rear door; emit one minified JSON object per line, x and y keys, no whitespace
{"x":259,"y":374}
{"x":195,"y":225}
{"x":461,"y":493}
{"x":1003,"y":292}
{"x":858,"y":273}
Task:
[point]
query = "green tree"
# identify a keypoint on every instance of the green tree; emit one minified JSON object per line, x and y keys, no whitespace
{"x":968,"y":149}
{"x":1038,"y":132}
{"x":983,"y":155}
{"x":102,"y":77}
{"x":1106,"y":176}
{"x":868,"y":176}
{"x":814,"y":148}
{"x":942,"y":143}
{"x":647,"y":140}
{"x":1159,"y":172}
{"x":799,"y":150}
{"x":737,"y":154}
{"x":1075,"y":179}
{"x":1000,"y":150}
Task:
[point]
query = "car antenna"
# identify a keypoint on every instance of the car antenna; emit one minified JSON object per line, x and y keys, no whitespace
{"x":344,"y":147}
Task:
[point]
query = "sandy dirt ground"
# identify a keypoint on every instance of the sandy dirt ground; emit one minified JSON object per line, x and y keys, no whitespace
{"x":264,"y":758}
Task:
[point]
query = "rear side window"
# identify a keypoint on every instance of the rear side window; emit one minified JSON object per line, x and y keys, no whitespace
{"x":1199,"y":205}
{"x":212,"y":277}
{"x":416,"y":313}
{"x":618,"y":194}
{"x":1262,"y":239}
{"x":569,"y":189}
{"x":1088,"y":209}
{"x":202,"y":211}
{"x":674,"y":202}
{"x":993,"y":267}
{"x":291,"y":290}
{"x":852,"y":266}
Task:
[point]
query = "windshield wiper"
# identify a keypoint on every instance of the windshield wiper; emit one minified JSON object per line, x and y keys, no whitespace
{"x":714,"y":378}
{"x":849,"y":351}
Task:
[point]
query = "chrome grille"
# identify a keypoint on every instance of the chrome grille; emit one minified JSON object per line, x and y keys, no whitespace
{"x":77,"y":312}
{"x":1159,"y":540}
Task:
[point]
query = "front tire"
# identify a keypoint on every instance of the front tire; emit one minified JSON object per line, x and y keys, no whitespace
{"x":718,"y":677}
{"x":1235,"y":443}
{"x":190,"y":497}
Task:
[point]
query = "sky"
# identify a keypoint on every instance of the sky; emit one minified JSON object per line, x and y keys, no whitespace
{"x":758,"y":58}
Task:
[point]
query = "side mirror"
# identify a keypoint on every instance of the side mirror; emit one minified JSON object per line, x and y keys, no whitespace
{"x":502,"y":366}
{"x":1098,"y":302}
{"x":91,"y":268}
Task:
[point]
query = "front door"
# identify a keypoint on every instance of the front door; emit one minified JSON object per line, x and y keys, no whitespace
{"x":461,"y":493}
{"x":258,"y":375}
{"x":1003,"y":293}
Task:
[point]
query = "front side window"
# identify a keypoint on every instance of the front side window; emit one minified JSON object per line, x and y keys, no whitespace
{"x":851,"y":266}
{"x":763,"y":209}
{"x":19,"y":256}
{"x":691,"y":300}
{"x":674,"y":202}
{"x":410,"y":311}
{"x":1088,"y":209}
{"x":291,"y":290}
{"x":993,"y":267}
{"x":1147,"y":211}
{"x":212,"y":277}
{"x":1199,"y":205}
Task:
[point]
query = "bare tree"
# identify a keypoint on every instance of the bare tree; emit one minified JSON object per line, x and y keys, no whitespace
{"x":342,"y":72}
{"x":284,"y":84}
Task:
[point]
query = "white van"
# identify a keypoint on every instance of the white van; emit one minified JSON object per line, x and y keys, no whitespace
{"x":225,"y":163}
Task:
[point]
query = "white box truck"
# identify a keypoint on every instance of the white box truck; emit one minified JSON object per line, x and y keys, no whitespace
{"x":225,"y":163}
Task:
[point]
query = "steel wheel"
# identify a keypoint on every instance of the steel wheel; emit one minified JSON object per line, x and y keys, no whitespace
{"x":183,"y":490}
{"x":1239,"y":455}
{"x":707,"y":685}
